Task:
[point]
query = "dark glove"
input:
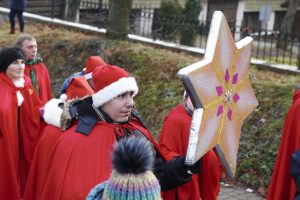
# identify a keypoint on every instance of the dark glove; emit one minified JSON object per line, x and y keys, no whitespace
{"x":195,"y":168}
{"x":171,"y":174}
{"x":84,"y":107}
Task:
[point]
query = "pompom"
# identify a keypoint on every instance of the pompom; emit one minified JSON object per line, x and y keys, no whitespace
{"x":53,"y":111}
{"x":63,"y":97}
{"x":133,"y":155}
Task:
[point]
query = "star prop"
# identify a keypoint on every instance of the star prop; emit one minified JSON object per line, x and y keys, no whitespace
{"x":221,"y":93}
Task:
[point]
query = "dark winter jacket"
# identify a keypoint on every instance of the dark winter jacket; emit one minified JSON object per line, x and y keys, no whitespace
{"x":18,"y":5}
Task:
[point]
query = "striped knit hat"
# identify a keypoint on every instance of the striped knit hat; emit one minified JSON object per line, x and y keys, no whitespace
{"x":131,"y":178}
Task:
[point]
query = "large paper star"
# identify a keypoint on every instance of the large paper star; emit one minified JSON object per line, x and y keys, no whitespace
{"x":221,"y":92}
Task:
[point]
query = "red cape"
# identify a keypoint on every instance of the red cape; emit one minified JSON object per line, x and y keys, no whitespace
{"x":79,"y":162}
{"x":41,"y":162}
{"x":282,"y":185}
{"x":17,"y":142}
{"x":173,"y":141}
{"x":43,"y":78}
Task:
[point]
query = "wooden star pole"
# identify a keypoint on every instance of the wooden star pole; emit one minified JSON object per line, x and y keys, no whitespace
{"x":221,"y":93}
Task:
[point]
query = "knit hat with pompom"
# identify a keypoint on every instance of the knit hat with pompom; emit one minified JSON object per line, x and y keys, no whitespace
{"x":132,"y":177}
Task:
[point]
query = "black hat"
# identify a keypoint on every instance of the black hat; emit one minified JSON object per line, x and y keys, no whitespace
{"x":9,"y":55}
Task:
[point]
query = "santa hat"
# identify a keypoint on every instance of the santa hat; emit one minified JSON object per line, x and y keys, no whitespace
{"x":91,"y":63}
{"x":78,"y":88}
{"x":132,"y":176}
{"x":110,"y":82}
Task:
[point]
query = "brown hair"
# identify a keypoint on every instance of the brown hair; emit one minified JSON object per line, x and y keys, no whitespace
{"x":24,"y":37}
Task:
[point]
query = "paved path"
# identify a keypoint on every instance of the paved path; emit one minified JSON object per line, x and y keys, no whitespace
{"x":236,"y":193}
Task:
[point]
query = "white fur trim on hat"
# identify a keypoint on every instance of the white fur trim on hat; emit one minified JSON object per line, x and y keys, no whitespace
{"x":88,"y":76}
{"x":52,"y":112}
{"x":115,"y":89}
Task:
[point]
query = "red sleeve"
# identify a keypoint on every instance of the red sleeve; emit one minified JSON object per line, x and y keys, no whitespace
{"x":9,"y":144}
{"x":41,"y":162}
{"x":173,"y":141}
{"x":209,"y":178}
{"x":79,"y":162}
{"x":282,"y":186}
{"x":172,"y":137}
{"x":29,"y":132}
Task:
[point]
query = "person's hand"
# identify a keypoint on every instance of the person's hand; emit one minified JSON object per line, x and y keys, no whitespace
{"x":84,"y":106}
{"x":195,"y":168}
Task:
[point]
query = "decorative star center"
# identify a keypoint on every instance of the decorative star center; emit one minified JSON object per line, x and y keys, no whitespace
{"x":228,"y":96}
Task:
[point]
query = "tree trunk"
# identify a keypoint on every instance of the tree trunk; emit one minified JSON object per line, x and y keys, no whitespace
{"x":289,"y":17}
{"x":189,"y":31}
{"x":288,"y":21}
{"x":72,"y":10}
{"x":118,"y":18}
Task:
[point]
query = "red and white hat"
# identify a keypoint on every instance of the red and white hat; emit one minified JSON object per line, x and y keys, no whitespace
{"x":91,"y":63}
{"x":109,"y":82}
{"x":78,"y":88}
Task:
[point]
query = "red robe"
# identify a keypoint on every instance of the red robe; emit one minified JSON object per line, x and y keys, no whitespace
{"x":18,"y":136}
{"x":40,"y":164}
{"x":282,"y":185}
{"x":173,"y":141}
{"x":43,"y":79}
{"x":79,"y":162}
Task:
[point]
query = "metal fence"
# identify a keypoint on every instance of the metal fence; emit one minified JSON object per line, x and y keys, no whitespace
{"x":269,"y":45}
{"x":277,"y":47}
{"x":147,"y":21}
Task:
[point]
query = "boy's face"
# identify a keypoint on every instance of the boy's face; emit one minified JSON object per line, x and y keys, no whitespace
{"x":119,"y":109}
